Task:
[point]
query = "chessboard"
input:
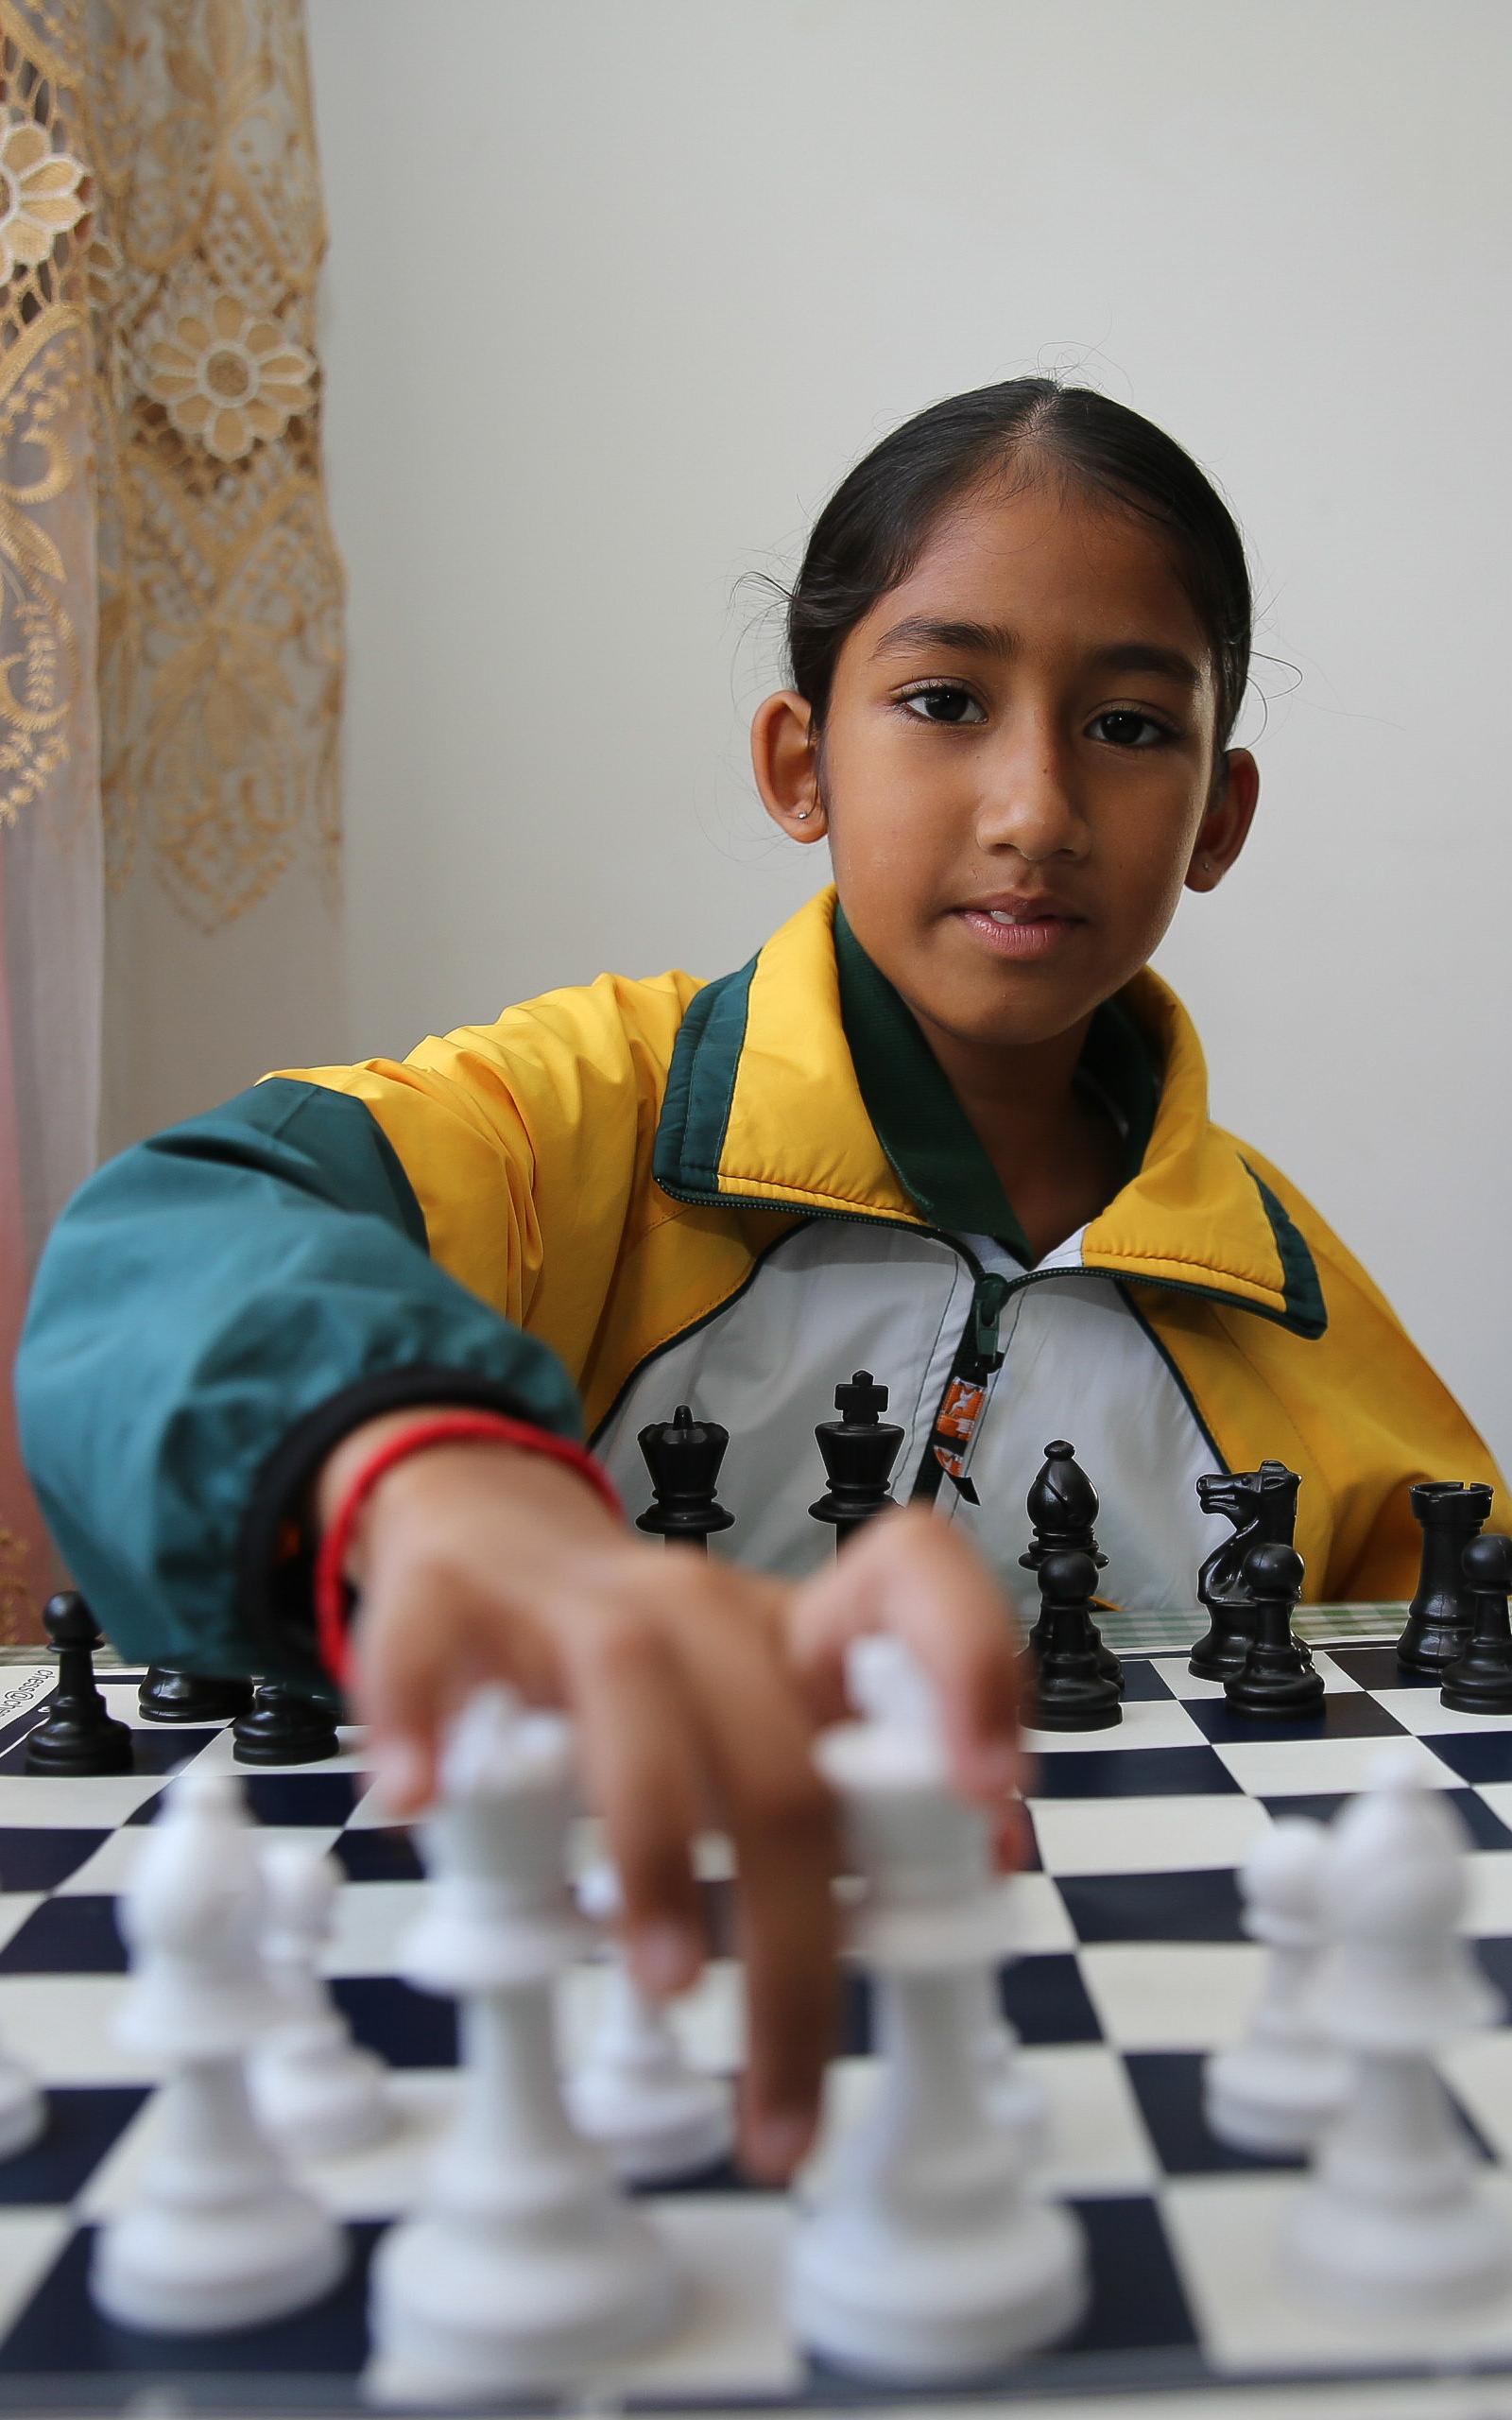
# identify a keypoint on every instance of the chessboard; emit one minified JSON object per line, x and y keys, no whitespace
{"x":1131,"y":1966}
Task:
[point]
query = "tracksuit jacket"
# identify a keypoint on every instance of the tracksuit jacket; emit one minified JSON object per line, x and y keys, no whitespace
{"x":632,"y":1194}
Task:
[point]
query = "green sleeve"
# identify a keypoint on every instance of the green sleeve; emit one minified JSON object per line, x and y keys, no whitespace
{"x":215,"y":1308}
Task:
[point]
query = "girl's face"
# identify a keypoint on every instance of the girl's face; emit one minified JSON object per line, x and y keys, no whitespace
{"x":1013,"y":808}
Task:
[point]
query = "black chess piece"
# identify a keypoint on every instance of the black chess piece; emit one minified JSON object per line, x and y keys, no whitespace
{"x":1279,"y":1675}
{"x":1062,"y":1506}
{"x":859,"y":1451}
{"x":1071,"y":1690}
{"x":684,"y":1456}
{"x":283,"y":1727}
{"x":1480,"y":1681}
{"x":168,"y":1695}
{"x":1261,"y":1504}
{"x":1442,"y":1614}
{"x":77,"y":1736}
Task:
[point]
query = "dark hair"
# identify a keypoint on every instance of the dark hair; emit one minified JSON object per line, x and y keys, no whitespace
{"x":875,"y":525}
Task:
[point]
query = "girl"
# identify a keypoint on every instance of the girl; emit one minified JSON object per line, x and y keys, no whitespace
{"x":335,"y":1337}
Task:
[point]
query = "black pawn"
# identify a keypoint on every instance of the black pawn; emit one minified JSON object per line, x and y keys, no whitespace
{"x":1278,"y":1677}
{"x":1062,"y":1506}
{"x":859,"y":1450}
{"x":684,"y":1456}
{"x":1480,"y":1681}
{"x":76,"y":1736}
{"x":1442,"y":1614}
{"x":281,"y":1728}
{"x":1071,"y":1690}
{"x":168,"y":1695}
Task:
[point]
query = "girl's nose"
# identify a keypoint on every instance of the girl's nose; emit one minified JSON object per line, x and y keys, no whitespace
{"x":1028,"y":801}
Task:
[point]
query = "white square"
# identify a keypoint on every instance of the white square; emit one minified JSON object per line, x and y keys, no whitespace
{"x":1148,"y":1723}
{"x":1173,"y":1996}
{"x":1151,"y":1835}
{"x":387,"y":2178}
{"x":30,"y":2241}
{"x":1038,"y":1915}
{"x":1488,"y":1892}
{"x":56,"y":1803}
{"x":1227,"y":2232}
{"x":61,"y":2026}
{"x":1097,"y":2139}
{"x":1187,"y":1686}
{"x":111,"y":1867}
{"x":1478,"y":2070}
{"x":733,"y":2250}
{"x":15,"y":1906}
{"x":1423,"y":1712}
{"x":1498,"y":1797}
{"x":1285,"y":1768}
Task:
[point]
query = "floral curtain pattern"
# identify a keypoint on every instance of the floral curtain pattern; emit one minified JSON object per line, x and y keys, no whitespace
{"x":171,"y":599}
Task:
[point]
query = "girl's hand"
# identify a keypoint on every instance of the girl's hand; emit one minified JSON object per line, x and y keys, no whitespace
{"x":696,"y":1688}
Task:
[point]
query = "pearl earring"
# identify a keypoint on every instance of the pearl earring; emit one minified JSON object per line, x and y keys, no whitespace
{"x":802,"y":815}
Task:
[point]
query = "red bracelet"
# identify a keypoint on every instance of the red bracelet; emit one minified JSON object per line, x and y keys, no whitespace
{"x":330,"y":1586}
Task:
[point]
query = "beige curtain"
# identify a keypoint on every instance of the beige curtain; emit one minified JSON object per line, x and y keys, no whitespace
{"x":170,"y":601}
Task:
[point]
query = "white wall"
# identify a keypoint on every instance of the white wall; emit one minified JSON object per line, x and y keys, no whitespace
{"x":617,"y":293}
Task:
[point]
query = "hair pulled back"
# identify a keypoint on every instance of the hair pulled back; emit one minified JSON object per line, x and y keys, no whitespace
{"x":876,"y":524}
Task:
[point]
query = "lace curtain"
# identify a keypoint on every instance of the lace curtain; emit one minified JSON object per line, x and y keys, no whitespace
{"x":170,"y":596}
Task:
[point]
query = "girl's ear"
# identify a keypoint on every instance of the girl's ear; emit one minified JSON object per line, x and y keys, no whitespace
{"x":1225,"y":827}
{"x":784,"y":758}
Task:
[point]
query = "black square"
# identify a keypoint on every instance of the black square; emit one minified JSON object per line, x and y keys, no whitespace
{"x":1487,"y":1830}
{"x":1045,"y":1997}
{"x":1142,"y":1683}
{"x":83,"y":2123}
{"x":407,"y":2028}
{"x":1376,"y":1667}
{"x":1201,"y":1906}
{"x":1475,"y":1756}
{"x":1168,"y":2087}
{"x":1345,"y":1714}
{"x":1137,"y":2301}
{"x":1130,"y":1772}
{"x":62,"y":2335}
{"x":68,"y":1936}
{"x":389,"y":1855}
{"x":32,"y":1858}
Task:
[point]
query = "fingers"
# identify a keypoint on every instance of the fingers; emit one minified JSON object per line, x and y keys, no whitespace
{"x":636,"y":1742}
{"x":784,"y":1826}
{"x":402,"y":1686}
{"x":913,"y":1574}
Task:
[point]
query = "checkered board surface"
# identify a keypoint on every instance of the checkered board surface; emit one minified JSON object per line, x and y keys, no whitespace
{"x":1132,"y":1966}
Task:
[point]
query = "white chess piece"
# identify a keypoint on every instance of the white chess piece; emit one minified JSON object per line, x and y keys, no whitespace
{"x":1273,"y":2091}
{"x":311,"y":2085}
{"x":920,"y":2255}
{"x":635,"y":2093}
{"x":525,"y":2267}
{"x":221,"y":2236}
{"x":1393,"y":2218}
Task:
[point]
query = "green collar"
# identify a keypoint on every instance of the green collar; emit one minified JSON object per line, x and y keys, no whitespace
{"x":928,"y":1138}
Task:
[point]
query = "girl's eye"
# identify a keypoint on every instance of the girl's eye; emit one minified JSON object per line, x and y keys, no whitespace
{"x":1126,"y":717}
{"x":954,"y":697}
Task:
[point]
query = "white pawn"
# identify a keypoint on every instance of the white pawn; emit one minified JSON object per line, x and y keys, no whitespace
{"x":920,"y":2256}
{"x":1392,"y":2219}
{"x":525,"y":2269}
{"x":889,"y":1687}
{"x":635,"y":2093}
{"x":1275,"y":2089}
{"x":220,"y":2236}
{"x":313,"y":2087}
